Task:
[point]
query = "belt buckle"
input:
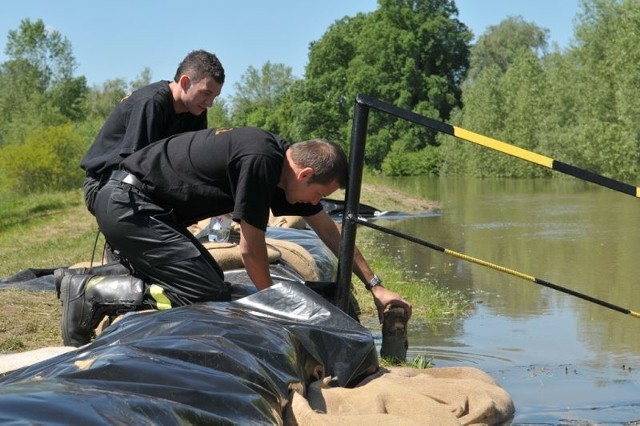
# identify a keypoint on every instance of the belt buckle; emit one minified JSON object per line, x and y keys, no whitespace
{"x":131,"y":180}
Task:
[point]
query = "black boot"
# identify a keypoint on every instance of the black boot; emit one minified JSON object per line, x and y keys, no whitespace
{"x":87,"y":299}
{"x":108,"y":269}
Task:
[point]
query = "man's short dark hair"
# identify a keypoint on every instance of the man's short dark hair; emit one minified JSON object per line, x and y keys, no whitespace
{"x":200,"y":64}
{"x":327,"y":159}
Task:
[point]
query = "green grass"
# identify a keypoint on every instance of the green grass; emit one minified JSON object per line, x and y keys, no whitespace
{"x":55,"y":229}
{"x":431,"y":304}
{"x":29,"y":320}
{"x":45,"y":230}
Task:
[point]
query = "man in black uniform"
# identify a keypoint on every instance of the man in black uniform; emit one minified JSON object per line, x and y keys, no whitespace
{"x":151,"y":113}
{"x":145,"y":208}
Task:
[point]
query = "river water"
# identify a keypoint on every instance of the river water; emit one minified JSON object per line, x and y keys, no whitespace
{"x":563,"y":360}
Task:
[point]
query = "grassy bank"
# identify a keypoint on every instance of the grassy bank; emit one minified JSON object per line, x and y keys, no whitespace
{"x":45,"y":230}
{"x":50,"y":230}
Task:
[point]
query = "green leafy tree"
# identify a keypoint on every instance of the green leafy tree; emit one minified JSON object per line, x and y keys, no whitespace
{"x":505,"y":98}
{"x":577,"y":106}
{"x":502,"y":44}
{"x":218,"y":115}
{"x":45,"y":49}
{"x":411,"y":53}
{"x":39,"y":82}
{"x":141,"y":80}
{"x":99,"y":102}
{"x":22,"y":105}
{"x":51,"y":54}
{"x":68,"y":96}
{"x":606,"y":82}
{"x":525,"y":104}
{"x":102,"y":99}
{"x":259,"y":96}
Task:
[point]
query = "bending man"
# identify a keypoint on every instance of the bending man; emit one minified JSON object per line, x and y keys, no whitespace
{"x":145,"y":208}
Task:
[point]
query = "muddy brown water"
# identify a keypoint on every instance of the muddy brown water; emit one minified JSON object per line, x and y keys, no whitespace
{"x":564,"y":360}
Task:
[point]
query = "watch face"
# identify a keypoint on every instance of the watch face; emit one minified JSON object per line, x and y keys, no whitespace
{"x":375,"y":281}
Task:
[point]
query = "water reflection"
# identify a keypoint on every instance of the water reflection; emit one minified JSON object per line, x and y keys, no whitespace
{"x":538,"y":340}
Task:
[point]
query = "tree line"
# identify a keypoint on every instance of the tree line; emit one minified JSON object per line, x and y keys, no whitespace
{"x":577,"y":104}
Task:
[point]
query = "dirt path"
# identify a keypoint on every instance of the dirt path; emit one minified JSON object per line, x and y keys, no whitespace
{"x":385,"y":198}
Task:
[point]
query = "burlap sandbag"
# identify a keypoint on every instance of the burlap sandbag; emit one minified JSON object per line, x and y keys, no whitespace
{"x":86,"y":265}
{"x":443,"y":396}
{"x":296,"y":222}
{"x":228,"y":254}
{"x":10,"y":362}
{"x":196,"y":228}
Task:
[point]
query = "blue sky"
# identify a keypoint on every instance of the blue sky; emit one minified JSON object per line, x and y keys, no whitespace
{"x":117,"y":38}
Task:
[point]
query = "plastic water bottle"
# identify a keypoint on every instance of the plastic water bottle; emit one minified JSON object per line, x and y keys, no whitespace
{"x":219,"y":228}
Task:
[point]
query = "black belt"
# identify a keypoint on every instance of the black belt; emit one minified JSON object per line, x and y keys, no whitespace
{"x":126,"y":177}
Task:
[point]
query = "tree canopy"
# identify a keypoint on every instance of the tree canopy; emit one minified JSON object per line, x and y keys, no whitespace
{"x":411,"y":53}
{"x":576,"y":105}
{"x":39,"y":80}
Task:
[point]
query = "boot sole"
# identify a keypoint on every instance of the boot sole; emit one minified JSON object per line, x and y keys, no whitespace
{"x":63,"y":294}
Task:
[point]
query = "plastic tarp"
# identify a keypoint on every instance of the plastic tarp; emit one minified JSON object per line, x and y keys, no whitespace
{"x":325,"y":260}
{"x":30,"y":279}
{"x":224,"y":363}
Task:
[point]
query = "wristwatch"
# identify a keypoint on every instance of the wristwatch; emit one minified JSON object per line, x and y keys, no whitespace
{"x":375,"y":281}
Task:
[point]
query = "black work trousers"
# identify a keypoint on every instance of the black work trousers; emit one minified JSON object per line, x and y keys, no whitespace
{"x":175,"y":266}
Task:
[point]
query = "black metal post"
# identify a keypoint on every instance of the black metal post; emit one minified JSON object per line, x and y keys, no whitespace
{"x":352,"y":202}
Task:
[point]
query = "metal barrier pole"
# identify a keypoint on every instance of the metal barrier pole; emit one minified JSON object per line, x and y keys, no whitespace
{"x":352,"y":201}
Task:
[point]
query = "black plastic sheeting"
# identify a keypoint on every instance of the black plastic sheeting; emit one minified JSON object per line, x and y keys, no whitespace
{"x":336,"y":208}
{"x":30,"y":279}
{"x":223,"y":363}
{"x":325,"y":260}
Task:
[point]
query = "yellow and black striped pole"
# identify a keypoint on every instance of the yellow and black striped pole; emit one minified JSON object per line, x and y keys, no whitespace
{"x":544,"y":161}
{"x":499,"y":268}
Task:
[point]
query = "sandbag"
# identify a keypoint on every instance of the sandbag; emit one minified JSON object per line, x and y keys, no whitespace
{"x":442,"y":396}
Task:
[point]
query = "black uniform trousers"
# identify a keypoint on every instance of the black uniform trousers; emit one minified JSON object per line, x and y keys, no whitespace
{"x":177,"y":269}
